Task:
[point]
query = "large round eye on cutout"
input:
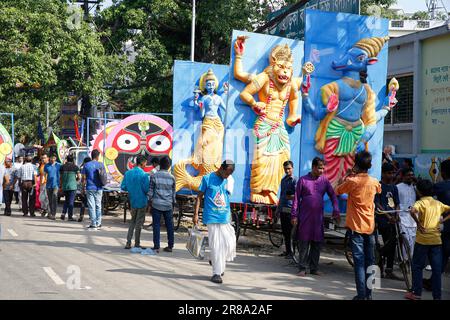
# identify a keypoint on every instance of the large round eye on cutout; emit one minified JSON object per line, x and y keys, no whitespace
{"x":159,"y":143}
{"x":127,"y":142}
{"x":100,"y":145}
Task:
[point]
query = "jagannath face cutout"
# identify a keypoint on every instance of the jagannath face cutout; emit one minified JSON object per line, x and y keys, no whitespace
{"x":5,"y":144}
{"x":99,"y":139}
{"x":140,"y":134}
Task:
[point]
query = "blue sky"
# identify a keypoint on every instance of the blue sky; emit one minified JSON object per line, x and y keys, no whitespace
{"x":408,"y":6}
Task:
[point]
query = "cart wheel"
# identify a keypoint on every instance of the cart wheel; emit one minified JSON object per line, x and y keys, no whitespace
{"x":113,"y":203}
{"x":404,"y":254}
{"x":236,"y":225}
{"x":348,"y":248}
{"x":276,"y":238}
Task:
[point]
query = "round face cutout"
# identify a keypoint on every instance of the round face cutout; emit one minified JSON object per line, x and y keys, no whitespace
{"x":99,"y":139}
{"x":140,"y":134}
{"x":5,"y":144}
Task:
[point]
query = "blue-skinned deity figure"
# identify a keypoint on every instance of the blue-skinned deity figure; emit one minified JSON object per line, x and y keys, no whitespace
{"x":207,"y":156}
{"x":347,"y":111}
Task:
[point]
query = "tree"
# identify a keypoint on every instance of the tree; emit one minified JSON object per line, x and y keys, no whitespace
{"x":420,"y":15}
{"x":44,"y":56}
{"x":379,"y":7}
{"x":160,"y":33}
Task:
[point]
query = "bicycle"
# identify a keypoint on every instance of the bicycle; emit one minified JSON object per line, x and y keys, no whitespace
{"x":403,"y":252}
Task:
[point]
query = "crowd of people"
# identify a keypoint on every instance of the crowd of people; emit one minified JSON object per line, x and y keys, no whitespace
{"x":38,"y":183}
{"x":409,"y":201}
{"x":416,"y":205}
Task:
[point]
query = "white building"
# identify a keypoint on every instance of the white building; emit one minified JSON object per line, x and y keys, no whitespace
{"x":398,"y":28}
{"x":420,"y":123}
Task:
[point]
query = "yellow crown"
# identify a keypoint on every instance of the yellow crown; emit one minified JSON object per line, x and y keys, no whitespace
{"x":281,"y":53}
{"x":208,"y":76}
{"x":372,"y":45}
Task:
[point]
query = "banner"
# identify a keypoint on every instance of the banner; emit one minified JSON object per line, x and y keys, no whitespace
{"x":293,"y":25}
{"x":69,"y":113}
{"x":435,"y":105}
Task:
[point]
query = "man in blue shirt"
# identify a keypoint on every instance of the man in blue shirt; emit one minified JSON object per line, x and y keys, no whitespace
{"x":136,"y":183}
{"x":51,"y":171}
{"x":217,"y":216}
{"x":161,"y":196}
{"x":287,"y":193}
{"x":93,"y":187}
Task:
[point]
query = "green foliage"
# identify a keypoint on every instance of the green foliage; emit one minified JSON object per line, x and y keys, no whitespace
{"x":43,"y":57}
{"x":420,"y":15}
{"x":161,"y":33}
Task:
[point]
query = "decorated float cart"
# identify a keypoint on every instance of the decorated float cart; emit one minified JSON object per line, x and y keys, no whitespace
{"x":278,"y":100}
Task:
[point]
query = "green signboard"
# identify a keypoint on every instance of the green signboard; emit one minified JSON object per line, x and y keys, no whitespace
{"x":435,"y":104}
{"x":293,"y":25}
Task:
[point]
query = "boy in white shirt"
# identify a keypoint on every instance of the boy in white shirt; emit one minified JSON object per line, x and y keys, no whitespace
{"x":407,"y":197}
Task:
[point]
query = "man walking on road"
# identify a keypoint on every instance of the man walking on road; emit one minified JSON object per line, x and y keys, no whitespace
{"x":17,"y":193}
{"x":43,"y":197}
{"x":162,"y":201}
{"x":8,"y":186}
{"x":284,"y":206}
{"x":26,"y":176}
{"x":387,"y":200}
{"x":407,"y":197}
{"x":136,"y":183}
{"x":94,"y":189}
{"x":70,"y":174}
{"x":307,"y":213}
{"x":52,"y":176}
{"x":360,"y":219}
{"x":217,"y":216}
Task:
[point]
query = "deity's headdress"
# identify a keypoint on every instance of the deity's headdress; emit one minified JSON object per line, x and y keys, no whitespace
{"x":208,"y":76}
{"x":372,"y":45}
{"x":281,"y":53}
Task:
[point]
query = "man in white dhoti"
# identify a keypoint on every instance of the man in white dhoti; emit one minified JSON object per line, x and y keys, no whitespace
{"x":217,"y":216}
{"x":407,"y":197}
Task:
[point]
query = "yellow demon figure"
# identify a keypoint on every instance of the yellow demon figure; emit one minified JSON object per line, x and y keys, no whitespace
{"x":275,"y":87}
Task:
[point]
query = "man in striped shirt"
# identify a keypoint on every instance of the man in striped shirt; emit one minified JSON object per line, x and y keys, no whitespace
{"x":27,"y":174}
{"x":162,"y":201}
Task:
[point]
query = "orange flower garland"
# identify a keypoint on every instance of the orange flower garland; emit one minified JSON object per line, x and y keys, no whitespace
{"x":269,"y":100}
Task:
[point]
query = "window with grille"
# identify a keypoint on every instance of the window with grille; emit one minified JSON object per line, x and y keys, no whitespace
{"x":423,"y":24}
{"x":403,"y":111}
{"x":397,"y":24}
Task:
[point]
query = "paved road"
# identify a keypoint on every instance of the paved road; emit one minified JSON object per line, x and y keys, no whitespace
{"x":39,"y":259}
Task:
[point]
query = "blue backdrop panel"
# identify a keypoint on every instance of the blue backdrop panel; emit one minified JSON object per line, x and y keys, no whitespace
{"x":240,"y":118}
{"x":186,"y":117}
{"x":322,"y":46}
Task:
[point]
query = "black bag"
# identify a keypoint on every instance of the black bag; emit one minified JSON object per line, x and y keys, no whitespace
{"x":103,"y":176}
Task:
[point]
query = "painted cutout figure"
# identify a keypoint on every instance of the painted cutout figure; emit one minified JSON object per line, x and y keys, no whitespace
{"x":275,"y":87}
{"x":140,"y":134}
{"x":347,"y":112}
{"x":5,"y":144}
{"x":207,"y":156}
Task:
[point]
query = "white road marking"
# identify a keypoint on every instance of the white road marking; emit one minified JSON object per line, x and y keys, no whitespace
{"x":13,"y":233}
{"x":52,"y":274}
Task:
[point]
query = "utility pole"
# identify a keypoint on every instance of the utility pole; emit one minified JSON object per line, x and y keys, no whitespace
{"x":193,"y":31}
{"x":434,"y":7}
{"x":86,"y":106}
